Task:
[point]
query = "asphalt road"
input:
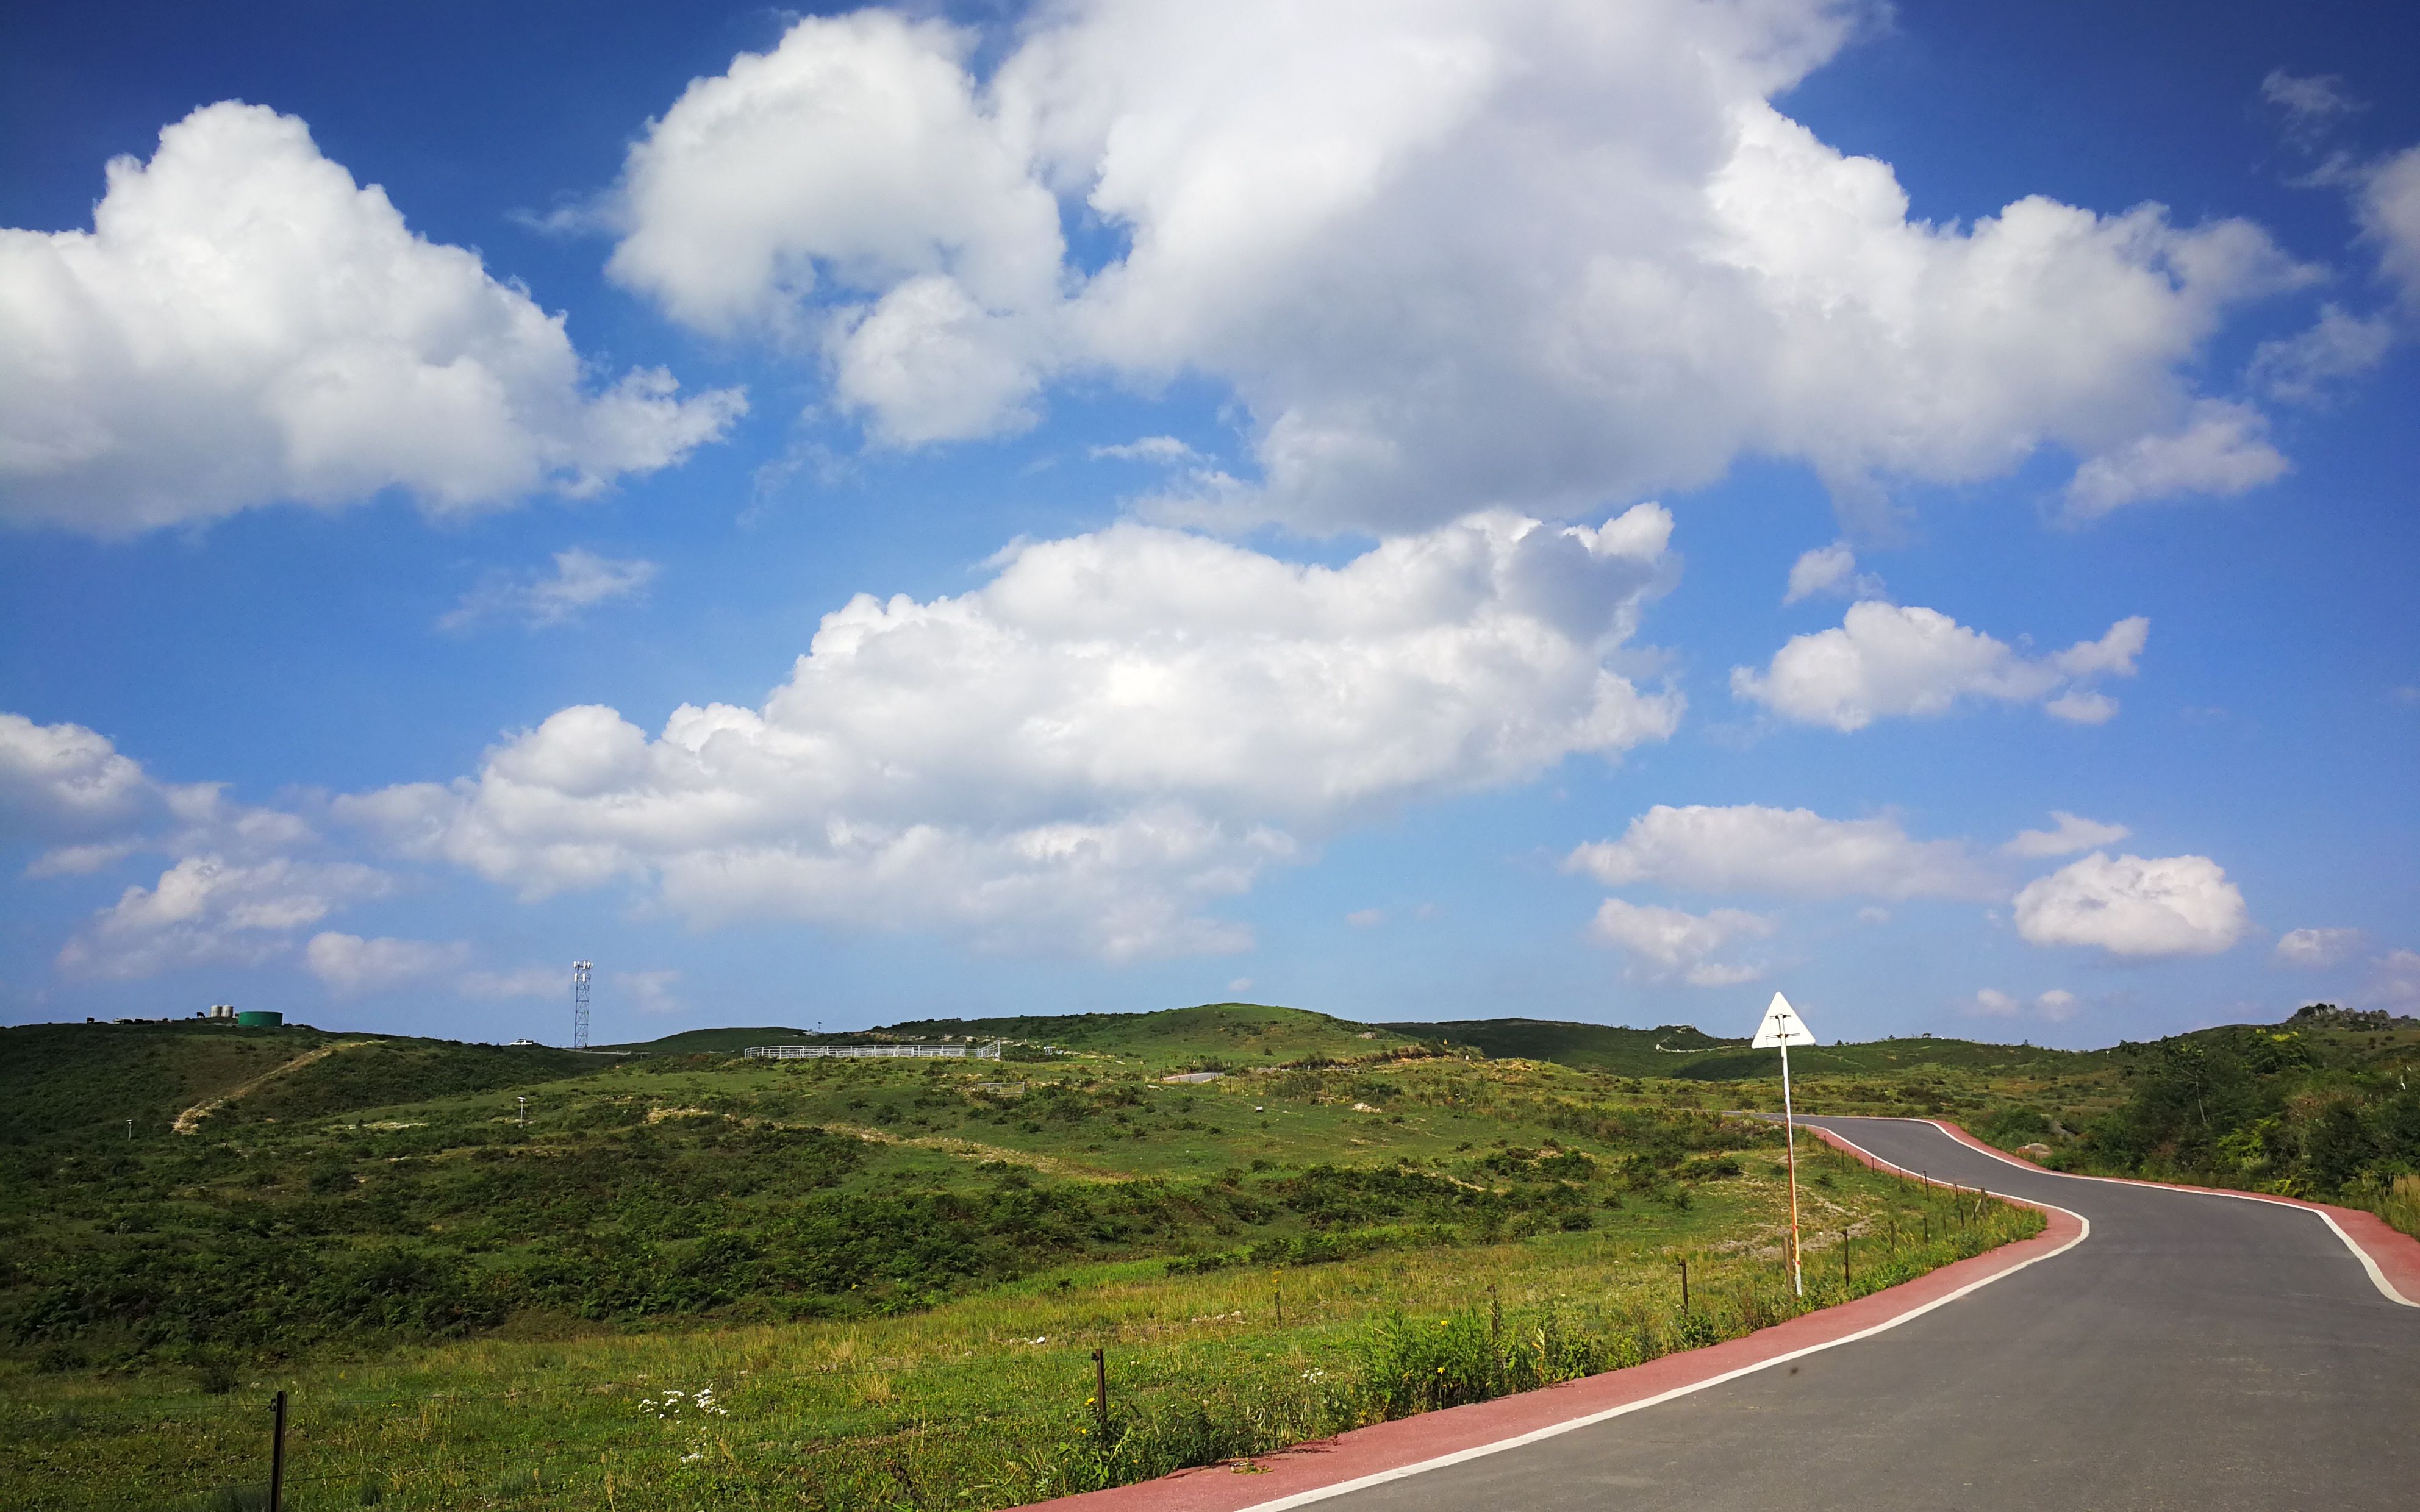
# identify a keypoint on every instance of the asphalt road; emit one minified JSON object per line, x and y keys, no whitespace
{"x":2194,"y":1351}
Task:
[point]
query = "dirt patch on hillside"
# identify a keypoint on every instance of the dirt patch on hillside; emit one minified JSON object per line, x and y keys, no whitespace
{"x":190,"y":1121}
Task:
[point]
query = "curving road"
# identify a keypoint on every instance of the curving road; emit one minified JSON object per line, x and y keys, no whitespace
{"x":2193,"y":1352}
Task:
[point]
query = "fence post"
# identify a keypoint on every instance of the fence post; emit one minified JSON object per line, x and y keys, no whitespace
{"x":1844,"y":1259}
{"x":1685,"y":1286}
{"x":1494,"y":1340}
{"x":1101,"y":1396}
{"x":277,"y":1455}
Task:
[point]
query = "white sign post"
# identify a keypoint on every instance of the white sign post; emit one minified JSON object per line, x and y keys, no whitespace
{"x":1783,"y":1027}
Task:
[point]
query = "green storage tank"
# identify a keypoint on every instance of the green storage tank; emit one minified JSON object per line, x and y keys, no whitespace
{"x":259,"y":1018}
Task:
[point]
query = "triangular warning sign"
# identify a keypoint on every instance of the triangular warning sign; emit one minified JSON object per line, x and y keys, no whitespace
{"x":1781,"y":1026}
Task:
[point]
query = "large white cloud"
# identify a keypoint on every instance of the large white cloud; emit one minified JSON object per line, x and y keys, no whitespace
{"x":1114,"y":731}
{"x":206,"y":910}
{"x":244,"y":325}
{"x":1530,"y":251}
{"x":64,"y":782}
{"x":1887,"y":660}
{"x":1793,"y":853}
{"x":2131,"y":906}
{"x":1664,"y":943}
{"x":66,"y":778}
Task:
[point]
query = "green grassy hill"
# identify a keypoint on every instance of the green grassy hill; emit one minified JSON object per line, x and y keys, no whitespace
{"x":718,"y":1041}
{"x":1875,"y":1057}
{"x":1215,"y":1035}
{"x":83,"y":1081}
{"x":386,"y":1188}
{"x":2324,"y":1105}
{"x":1591,"y":1046}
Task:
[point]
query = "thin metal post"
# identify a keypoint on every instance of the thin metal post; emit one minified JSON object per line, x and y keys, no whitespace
{"x":277,"y":1455}
{"x":1685,"y":1284}
{"x":1790,"y":1134}
{"x":1101,"y":1393}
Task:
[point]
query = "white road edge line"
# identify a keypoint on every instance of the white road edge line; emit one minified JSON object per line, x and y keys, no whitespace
{"x":1556,"y":1429}
{"x":2377,"y":1276}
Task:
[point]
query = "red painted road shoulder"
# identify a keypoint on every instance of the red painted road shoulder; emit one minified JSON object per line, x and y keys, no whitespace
{"x":1387,"y":1451}
{"x":2390,"y":1257}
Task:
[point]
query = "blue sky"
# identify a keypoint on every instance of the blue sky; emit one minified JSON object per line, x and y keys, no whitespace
{"x":1568,"y":510}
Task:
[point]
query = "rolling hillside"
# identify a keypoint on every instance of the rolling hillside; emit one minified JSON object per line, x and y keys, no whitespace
{"x":1240,"y":1034}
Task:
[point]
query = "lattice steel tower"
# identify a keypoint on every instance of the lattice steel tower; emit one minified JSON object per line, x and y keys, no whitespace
{"x":580,"y":971}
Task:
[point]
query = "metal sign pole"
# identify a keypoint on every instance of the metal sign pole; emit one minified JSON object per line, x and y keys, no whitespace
{"x":1790,"y":1134}
{"x":1782,"y":1027}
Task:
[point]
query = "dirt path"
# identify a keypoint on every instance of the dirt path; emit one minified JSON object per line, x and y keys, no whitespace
{"x":190,"y":1121}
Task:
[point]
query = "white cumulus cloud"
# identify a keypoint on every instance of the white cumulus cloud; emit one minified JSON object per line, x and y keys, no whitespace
{"x":64,"y":778}
{"x":1535,"y":252}
{"x":1091,"y":749}
{"x":245,"y":325}
{"x":1830,"y":569}
{"x":2069,"y":835}
{"x":207,"y":908}
{"x":1665,"y":943}
{"x":65,"y":782}
{"x":1792,"y":853}
{"x":1884,"y":660}
{"x":2131,"y":906}
{"x":2222,"y":450}
{"x":2316,"y":946}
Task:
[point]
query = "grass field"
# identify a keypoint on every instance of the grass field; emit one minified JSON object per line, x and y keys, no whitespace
{"x":984,"y":1402}
{"x":479,"y":1268}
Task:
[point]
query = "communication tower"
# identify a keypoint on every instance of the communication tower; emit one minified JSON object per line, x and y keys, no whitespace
{"x":580,"y":971}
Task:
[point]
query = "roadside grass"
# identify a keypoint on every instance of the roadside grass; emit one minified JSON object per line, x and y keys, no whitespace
{"x":984,"y":1401}
{"x":2400,"y":1205}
